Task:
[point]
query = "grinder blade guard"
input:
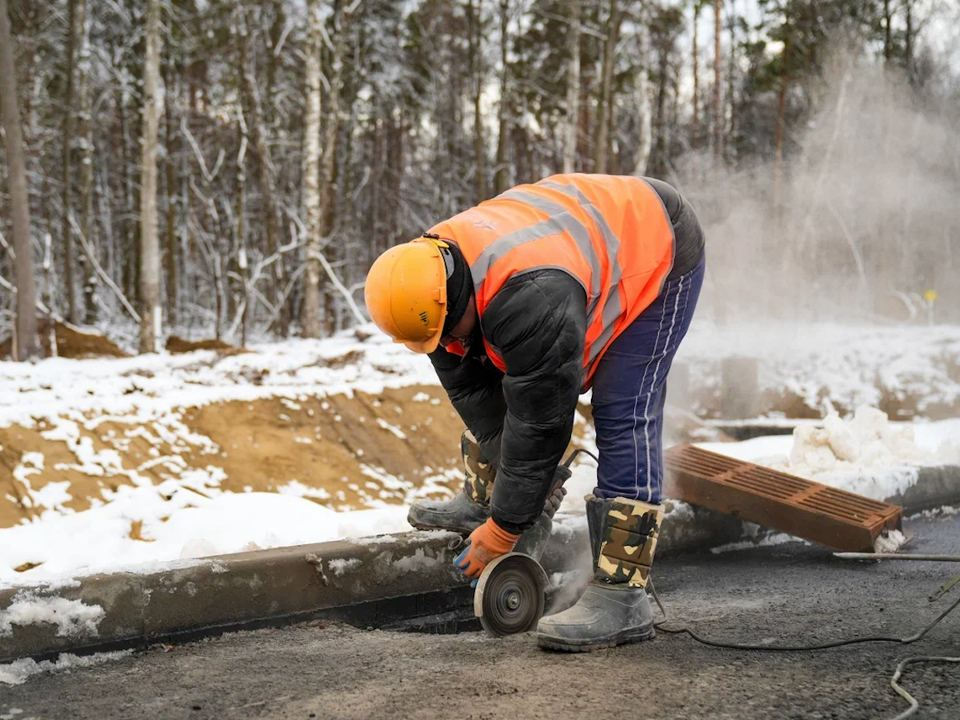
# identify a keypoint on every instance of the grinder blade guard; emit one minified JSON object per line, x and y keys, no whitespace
{"x":510,"y":595}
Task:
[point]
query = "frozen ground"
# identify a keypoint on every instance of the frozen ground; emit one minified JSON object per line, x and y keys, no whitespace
{"x":174,"y":501}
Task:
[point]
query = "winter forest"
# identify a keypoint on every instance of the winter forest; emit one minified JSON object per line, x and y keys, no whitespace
{"x":227,"y":169}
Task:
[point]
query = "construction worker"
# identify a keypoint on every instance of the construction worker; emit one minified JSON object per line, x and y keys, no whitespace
{"x":523,"y":302}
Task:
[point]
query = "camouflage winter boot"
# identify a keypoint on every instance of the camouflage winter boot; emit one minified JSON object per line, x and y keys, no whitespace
{"x":615,"y":608}
{"x":468,"y":509}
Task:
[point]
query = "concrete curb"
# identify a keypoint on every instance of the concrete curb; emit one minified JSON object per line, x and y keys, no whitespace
{"x":373,"y":581}
{"x":402,"y":581}
{"x":936,"y":486}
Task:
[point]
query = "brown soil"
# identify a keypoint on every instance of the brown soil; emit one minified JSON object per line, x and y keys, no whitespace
{"x":176,"y":345}
{"x":60,"y":464}
{"x":323,"y":443}
{"x":71,"y":342}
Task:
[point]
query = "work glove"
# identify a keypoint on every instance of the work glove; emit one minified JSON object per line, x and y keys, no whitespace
{"x":487,"y":542}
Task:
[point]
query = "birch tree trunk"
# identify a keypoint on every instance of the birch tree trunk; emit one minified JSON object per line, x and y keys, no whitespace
{"x":151,"y":310}
{"x":83,"y":143}
{"x":778,"y":136}
{"x":476,"y":69}
{"x":730,"y":130}
{"x":601,"y":149}
{"x":573,"y":89}
{"x":171,"y":282}
{"x":717,"y":80}
{"x":500,"y":172}
{"x":908,"y":39}
{"x":695,"y":124}
{"x":887,"y":31}
{"x":311,"y":173}
{"x":75,"y":21}
{"x":328,"y":166}
{"x":268,"y":191}
{"x":25,"y":329}
{"x":645,"y":137}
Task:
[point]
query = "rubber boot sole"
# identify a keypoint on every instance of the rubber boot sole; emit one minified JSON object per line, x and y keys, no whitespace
{"x":461,"y":529}
{"x":623,"y":637}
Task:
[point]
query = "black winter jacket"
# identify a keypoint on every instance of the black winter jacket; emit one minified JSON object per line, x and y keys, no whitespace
{"x":537,"y":322}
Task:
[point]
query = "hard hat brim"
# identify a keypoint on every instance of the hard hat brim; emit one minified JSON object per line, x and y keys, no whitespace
{"x":431,"y":343}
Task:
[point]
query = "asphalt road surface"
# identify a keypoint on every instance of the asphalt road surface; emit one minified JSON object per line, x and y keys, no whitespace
{"x":790,"y":593}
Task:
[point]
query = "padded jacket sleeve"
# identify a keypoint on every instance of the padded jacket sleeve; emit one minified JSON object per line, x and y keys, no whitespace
{"x":537,"y":323}
{"x":473,"y":385}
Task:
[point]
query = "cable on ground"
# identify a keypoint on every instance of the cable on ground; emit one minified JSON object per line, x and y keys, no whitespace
{"x":895,"y":680}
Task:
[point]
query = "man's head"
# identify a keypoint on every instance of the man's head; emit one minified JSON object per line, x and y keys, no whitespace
{"x":420,"y":293}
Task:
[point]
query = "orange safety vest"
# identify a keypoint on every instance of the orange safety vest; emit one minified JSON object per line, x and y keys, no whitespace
{"x":611,"y":233}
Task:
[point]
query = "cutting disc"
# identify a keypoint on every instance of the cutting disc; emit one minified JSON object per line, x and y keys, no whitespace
{"x":510,"y":595}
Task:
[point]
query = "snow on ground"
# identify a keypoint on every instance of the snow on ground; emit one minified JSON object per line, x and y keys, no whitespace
{"x":848,"y":365}
{"x":145,"y":387}
{"x":19,"y":671}
{"x":195,"y":526}
{"x":865,"y":453}
{"x":73,"y":618}
{"x":835,"y":364}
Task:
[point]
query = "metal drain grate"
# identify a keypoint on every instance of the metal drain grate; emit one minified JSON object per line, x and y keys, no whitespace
{"x":807,"y":509}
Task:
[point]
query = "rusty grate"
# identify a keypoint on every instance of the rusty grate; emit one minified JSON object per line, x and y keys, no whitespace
{"x":807,"y":509}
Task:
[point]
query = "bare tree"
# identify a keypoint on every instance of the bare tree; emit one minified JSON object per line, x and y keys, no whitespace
{"x":573,"y":89}
{"x":717,"y":80}
{"x":26,"y":345}
{"x":320,"y":202}
{"x":151,"y":314}
{"x":645,"y":119}
{"x":268,"y":190}
{"x":76,"y":10}
{"x":170,"y":140}
{"x":310,"y":316}
{"x":474,"y":50}
{"x":601,"y":149}
{"x":500,"y":173}
{"x":695,"y":124}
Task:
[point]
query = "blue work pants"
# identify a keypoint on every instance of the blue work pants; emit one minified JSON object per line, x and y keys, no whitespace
{"x":629,"y":389}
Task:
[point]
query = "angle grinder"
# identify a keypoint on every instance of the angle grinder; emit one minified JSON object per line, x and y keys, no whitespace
{"x":511,"y":592}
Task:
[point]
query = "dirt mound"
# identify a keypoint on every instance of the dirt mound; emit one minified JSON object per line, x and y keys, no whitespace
{"x":344,"y":452}
{"x":176,"y":345}
{"x":72,"y":342}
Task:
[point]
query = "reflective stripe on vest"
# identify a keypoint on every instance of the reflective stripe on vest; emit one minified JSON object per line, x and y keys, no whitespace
{"x":555,"y":224}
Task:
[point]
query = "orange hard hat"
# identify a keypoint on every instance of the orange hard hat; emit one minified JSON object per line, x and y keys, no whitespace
{"x":406,"y":293}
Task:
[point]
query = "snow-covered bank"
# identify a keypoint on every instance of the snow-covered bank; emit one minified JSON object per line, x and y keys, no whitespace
{"x":350,"y":422}
{"x":146,"y":387}
{"x":905,"y":370}
{"x":847,"y":365}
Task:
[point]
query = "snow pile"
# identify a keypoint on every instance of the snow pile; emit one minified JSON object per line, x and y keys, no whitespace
{"x":867,"y":440}
{"x":865,"y":453}
{"x":19,"y":671}
{"x":185,"y":526}
{"x":73,"y":618}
